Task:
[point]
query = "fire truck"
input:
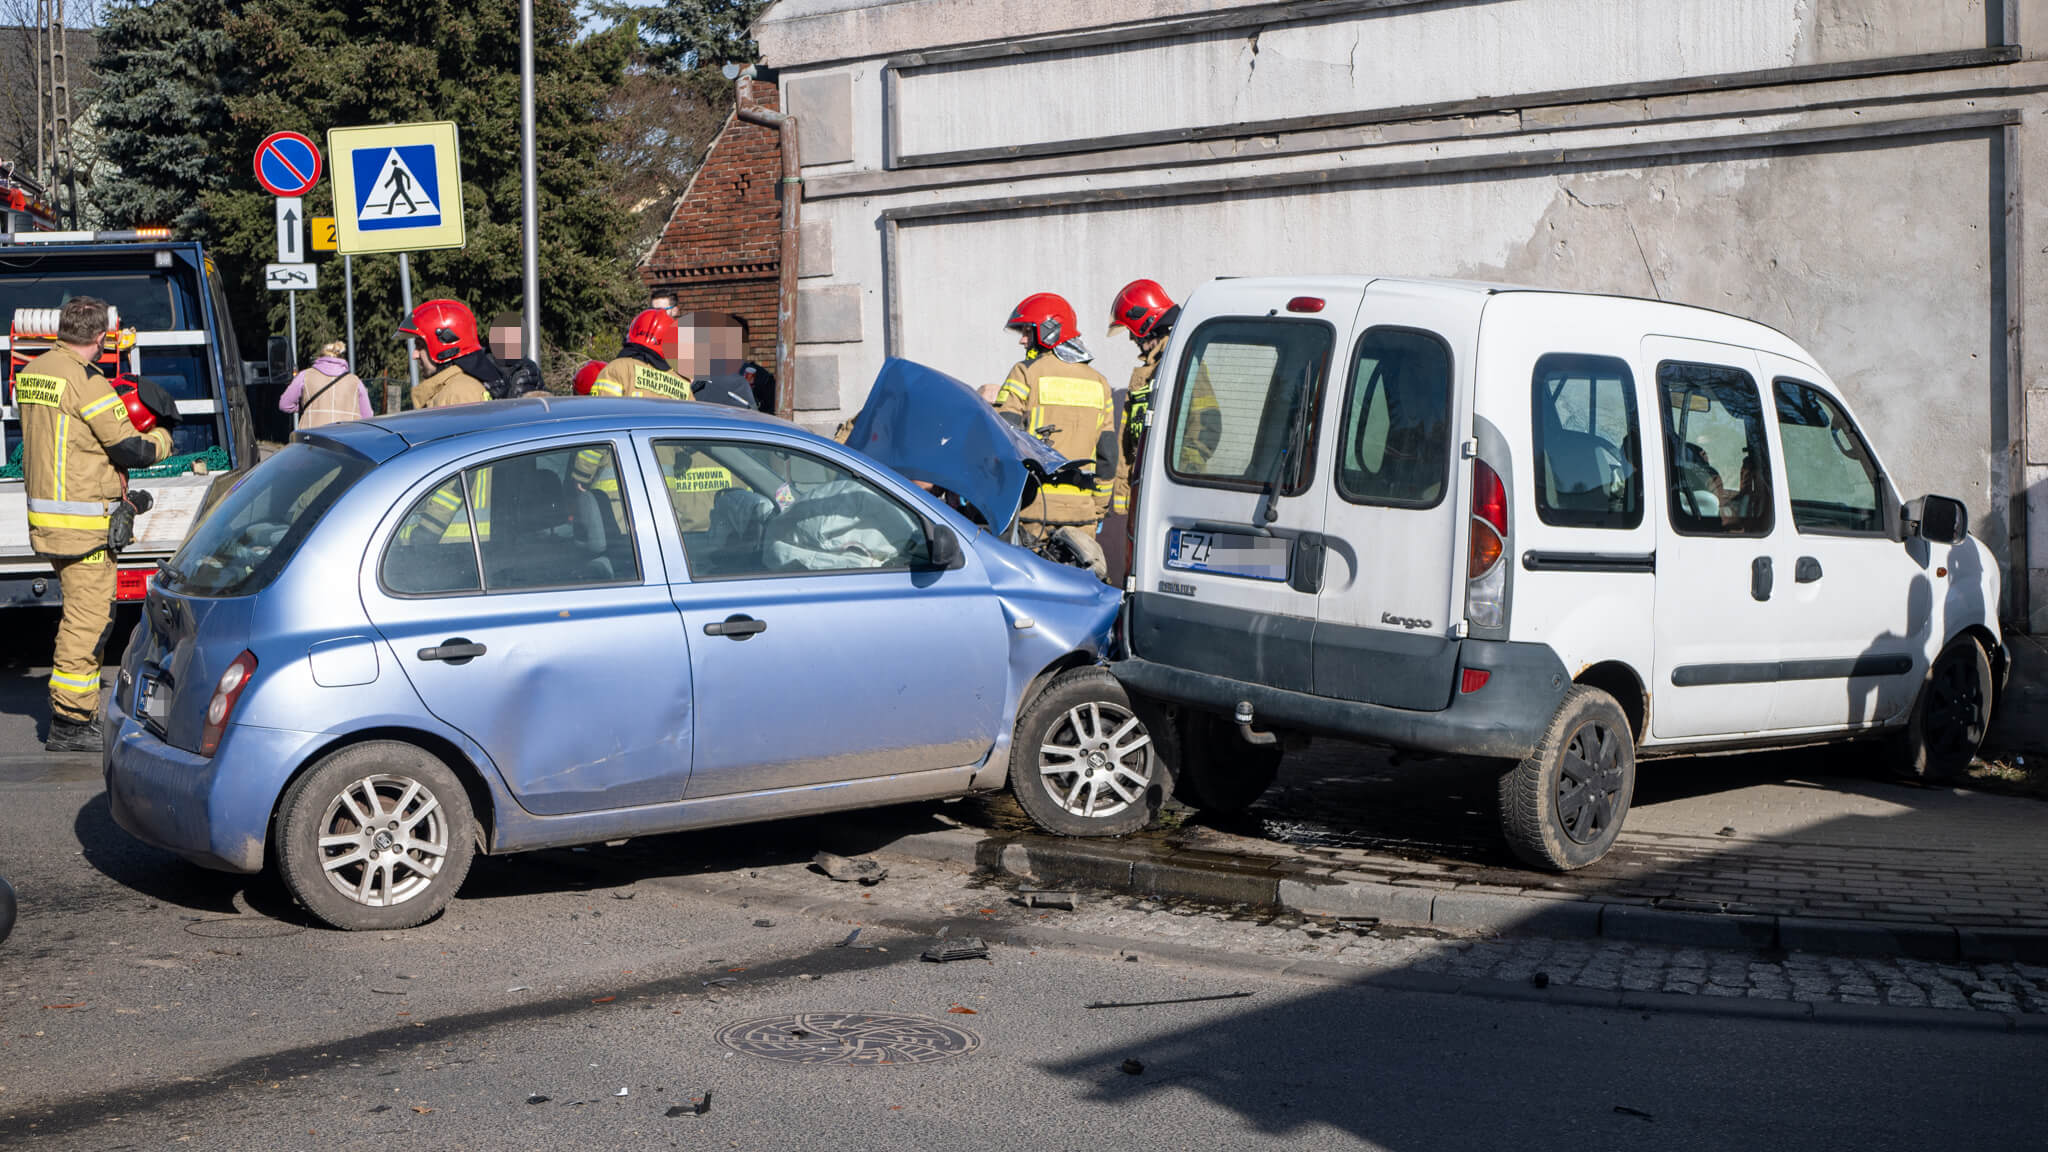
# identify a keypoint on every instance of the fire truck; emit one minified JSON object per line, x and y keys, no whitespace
{"x":169,"y":293}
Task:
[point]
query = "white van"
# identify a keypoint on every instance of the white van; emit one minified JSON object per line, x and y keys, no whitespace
{"x":1557,"y":529}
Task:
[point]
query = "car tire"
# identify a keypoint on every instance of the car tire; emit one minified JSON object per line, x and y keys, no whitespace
{"x":362,"y":871}
{"x":1084,"y":762}
{"x":1950,"y":715}
{"x":1218,"y":771}
{"x":7,"y":907}
{"x":1563,"y":806}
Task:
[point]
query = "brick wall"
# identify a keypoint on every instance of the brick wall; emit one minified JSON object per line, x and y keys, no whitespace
{"x":719,"y":251}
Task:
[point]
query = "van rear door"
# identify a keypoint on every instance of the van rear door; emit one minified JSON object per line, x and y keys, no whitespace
{"x":1393,"y":584}
{"x":1231,"y":513}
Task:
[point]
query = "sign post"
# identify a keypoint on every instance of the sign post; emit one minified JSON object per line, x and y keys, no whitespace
{"x":288,"y":165}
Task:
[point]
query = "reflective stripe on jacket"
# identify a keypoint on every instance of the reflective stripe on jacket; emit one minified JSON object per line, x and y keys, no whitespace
{"x":1075,"y":400}
{"x":69,"y":416}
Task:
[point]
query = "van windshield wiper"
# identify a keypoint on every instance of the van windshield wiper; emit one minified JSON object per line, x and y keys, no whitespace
{"x":1283,"y":464}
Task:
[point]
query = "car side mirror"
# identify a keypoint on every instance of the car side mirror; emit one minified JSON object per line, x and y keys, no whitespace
{"x":943,"y":547}
{"x":1937,"y":519}
{"x":280,"y":360}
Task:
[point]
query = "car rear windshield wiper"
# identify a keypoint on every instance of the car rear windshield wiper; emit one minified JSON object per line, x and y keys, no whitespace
{"x":1284,"y":464}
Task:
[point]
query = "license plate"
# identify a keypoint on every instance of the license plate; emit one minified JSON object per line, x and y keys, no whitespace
{"x":1228,"y":554}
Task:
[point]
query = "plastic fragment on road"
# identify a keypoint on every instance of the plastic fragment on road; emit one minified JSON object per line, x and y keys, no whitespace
{"x":1176,"y":1000}
{"x":1132,"y":1067}
{"x":694,"y":1108}
{"x":960,"y":948}
{"x":1033,"y":898}
{"x":537,"y":1098}
{"x":849,"y":869}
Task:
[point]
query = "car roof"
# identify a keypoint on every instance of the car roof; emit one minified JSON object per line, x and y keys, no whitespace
{"x":548,"y":414}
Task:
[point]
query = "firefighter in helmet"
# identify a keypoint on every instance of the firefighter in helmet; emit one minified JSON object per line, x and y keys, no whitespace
{"x":1143,"y":309}
{"x":79,"y":439}
{"x":642,"y":366}
{"x":444,"y":340}
{"x":1055,"y":395}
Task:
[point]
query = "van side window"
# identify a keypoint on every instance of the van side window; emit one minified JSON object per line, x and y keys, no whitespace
{"x":1240,"y":384}
{"x":1715,"y":451}
{"x":1589,"y":459}
{"x":1395,"y":445}
{"x":1829,"y":474}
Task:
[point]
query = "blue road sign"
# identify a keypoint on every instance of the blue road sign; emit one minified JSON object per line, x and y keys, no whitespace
{"x":287,"y":164}
{"x":396,"y":187}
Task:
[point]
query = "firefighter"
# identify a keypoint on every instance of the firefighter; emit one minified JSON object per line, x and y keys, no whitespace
{"x":445,"y":343}
{"x":1143,"y":309}
{"x":1056,"y":396}
{"x":79,"y":438}
{"x":642,"y":366}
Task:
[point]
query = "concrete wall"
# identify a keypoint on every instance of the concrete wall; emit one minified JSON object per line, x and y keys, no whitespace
{"x":1864,"y":174}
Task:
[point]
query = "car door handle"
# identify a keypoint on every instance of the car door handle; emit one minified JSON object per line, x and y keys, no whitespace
{"x":457,"y":650}
{"x":737,"y":627}
{"x":1807,"y":571}
{"x":1760,"y":578}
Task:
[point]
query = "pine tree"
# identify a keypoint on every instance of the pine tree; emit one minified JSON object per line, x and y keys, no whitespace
{"x":309,"y":65}
{"x":161,"y":110}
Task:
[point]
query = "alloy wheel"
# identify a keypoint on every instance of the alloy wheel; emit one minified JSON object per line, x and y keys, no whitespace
{"x":1097,"y":760}
{"x":383,"y":840}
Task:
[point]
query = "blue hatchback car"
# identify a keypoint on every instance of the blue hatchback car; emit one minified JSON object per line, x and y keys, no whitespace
{"x":402,"y":641}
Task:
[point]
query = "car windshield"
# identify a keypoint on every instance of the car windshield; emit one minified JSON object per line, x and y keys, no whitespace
{"x":245,"y":540}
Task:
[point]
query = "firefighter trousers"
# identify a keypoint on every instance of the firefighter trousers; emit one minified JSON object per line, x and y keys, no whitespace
{"x":88,"y":584}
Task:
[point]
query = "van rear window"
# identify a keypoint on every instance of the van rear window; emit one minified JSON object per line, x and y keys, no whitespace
{"x":1241,"y":382}
{"x":240,"y":545}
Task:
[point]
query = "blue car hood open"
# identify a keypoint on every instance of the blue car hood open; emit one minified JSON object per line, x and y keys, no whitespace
{"x":931,"y":427}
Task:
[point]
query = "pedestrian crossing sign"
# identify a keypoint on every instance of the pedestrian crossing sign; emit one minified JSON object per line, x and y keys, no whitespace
{"x":397,"y":187}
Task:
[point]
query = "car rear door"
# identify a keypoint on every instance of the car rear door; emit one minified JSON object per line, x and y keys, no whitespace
{"x":1722,"y":583}
{"x":531,"y":612}
{"x":1862,"y":607}
{"x":1391,"y":601}
{"x":823,"y":647}
{"x":1229,"y":551}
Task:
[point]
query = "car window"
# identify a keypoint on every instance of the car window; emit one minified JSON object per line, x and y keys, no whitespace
{"x":1241,"y":383}
{"x":1396,"y":438}
{"x":747,"y":510}
{"x":1829,"y":474}
{"x":537,"y":527}
{"x":1716,"y":456}
{"x":517,"y":524}
{"x":240,"y":545}
{"x":1588,"y":455}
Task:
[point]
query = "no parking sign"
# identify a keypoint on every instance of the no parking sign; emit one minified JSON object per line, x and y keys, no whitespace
{"x":287,"y":164}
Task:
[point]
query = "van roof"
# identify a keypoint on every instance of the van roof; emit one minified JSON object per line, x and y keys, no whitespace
{"x":1360,"y":282}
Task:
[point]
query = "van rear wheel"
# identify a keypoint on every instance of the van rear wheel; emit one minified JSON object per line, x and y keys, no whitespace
{"x":1563,"y":806}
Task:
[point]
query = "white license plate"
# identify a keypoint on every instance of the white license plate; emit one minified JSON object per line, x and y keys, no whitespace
{"x":1228,"y":554}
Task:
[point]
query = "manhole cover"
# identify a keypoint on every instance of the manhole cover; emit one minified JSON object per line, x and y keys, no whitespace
{"x":849,"y":1038}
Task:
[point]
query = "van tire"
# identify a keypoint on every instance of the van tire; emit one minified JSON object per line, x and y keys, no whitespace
{"x":1218,"y":771}
{"x":1588,"y":745}
{"x":1087,"y":711}
{"x":436,"y":835}
{"x":1950,"y":715}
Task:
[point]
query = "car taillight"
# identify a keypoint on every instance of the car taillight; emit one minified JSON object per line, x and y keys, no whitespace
{"x":225,"y":693}
{"x":1486,"y":592}
{"x":132,"y":584}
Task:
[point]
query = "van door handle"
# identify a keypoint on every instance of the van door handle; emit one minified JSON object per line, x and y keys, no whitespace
{"x":1808,"y":570}
{"x":1760,"y":578}
{"x":737,"y":627}
{"x":455,"y":651}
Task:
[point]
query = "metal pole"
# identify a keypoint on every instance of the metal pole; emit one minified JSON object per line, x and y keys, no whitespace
{"x":348,"y":307}
{"x":412,"y":366}
{"x":528,"y":192}
{"x":788,"y":250}
{"x":294,"y":329}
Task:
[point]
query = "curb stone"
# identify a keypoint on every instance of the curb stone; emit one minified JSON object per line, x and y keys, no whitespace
{"x":1212,"y":878}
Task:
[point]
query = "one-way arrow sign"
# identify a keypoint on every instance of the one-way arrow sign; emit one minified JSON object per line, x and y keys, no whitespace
{"x":291,"y":245}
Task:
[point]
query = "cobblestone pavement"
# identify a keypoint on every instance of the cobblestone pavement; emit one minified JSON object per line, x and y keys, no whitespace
{"x":1590,"y":963}
{"x":1812,"y":832}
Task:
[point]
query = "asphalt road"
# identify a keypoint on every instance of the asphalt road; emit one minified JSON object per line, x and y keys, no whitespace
{"x":146,"y":1003}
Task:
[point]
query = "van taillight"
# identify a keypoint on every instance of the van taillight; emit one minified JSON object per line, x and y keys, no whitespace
{"x":1486,"y":575}
{"x":132,"y":583}
{"x":226,"y":691}
{"x":1489,"y":520}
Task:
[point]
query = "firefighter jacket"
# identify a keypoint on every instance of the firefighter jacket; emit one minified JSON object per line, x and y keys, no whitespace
{"x":77,"y":445}
{"x":1075,"y":400}
{"x":627,"y":377}
{"x":451,"y":385}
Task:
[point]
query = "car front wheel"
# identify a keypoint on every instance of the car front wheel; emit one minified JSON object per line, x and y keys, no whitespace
{"x":377,"y":836}
{"x":1951,"y":714}
{"x":1083,"y":762}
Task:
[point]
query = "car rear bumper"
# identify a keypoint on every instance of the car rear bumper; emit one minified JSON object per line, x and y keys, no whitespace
{"x":1505,"y":719}
{"x":193,"y":805}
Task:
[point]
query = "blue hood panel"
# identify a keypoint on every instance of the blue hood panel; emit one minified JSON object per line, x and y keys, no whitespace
{"x":931,"y":427}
